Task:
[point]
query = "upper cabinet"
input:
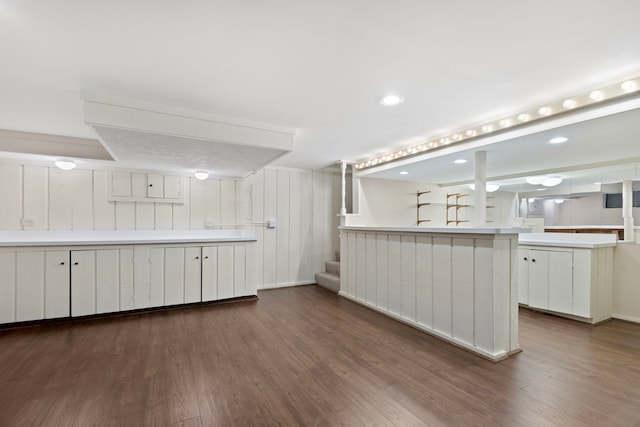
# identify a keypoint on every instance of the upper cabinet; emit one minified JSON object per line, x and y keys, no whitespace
{"x":142,"y":187}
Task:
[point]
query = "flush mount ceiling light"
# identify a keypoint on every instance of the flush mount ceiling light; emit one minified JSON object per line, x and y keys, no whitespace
{"x":490,"y":188}
{"x":552,"y":181}
{"x":546,"y":111}
{"x":558,"y":140}
{"x":201,"y":175}
{"x":558,"y":201}
{"x":459,"y":161}
{"x":404,"y":173}
{"x":536,"y":180}
{"x":65,"y":165}
{"x":391,"y":100}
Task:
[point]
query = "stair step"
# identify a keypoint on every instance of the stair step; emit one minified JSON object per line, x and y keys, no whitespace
{"x":333,"y":267}
{"x":328,"y":281}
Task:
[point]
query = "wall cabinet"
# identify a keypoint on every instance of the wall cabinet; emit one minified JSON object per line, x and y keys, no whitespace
{"x":142,"y":187}
{"x":54,"y":283}
{"x":569,"y":281}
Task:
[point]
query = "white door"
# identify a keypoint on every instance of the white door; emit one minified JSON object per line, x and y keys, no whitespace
{"x":30,"y":286}
{"x":174,"y":276}
{"x":192,"y":275}
{"x":107,"y":281}
{"x":83,"y":283}
{"x":539,"y":279}
{"x":57,"y":284}
{"x":561,"y":281}
{"x":523,"y":276}
{"x":209,"y":273}
{"x":225,"y":272}
{"x":155,"y":186}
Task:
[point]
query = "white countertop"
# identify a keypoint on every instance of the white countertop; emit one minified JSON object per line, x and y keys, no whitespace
{"x":119,"y":237}
{"x":568,"y":240}
{"x":458,"y":230}
{"x":582,"y":227}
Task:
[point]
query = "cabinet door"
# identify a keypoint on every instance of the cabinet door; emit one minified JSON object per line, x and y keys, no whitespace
{"x":141,"y":276}
{"x":561,"y":281}
{"x":583,"y":261}
{"x":174,"y":276}
{"x":107,"y":281}
{"x":155,"y":186}
{"x":83,"y":283}
{"x":209,"y":273}
{"x":139,"y":184}
{"x":239,"y":272}
{"x":30,"y":286}
{"x":8,"y":287}
{"x":172,"y":187}
{"x":57,"y":286}
{"x":225,"y":272}
{"x":126,"y":279}
{"x":156,"y":286}
{"x":539,"y":279}
{"x":121,"y":184}
{"x":192,"y":275}
{"x":523,"y":276}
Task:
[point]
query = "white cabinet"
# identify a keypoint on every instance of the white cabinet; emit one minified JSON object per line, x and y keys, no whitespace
{"x":34,"y":285}
{"x":142,"y":187}
{"x":224,"y":272}
{"x":182,"y":275}
{"x":53,"y":283}
{"x":570,"y":281}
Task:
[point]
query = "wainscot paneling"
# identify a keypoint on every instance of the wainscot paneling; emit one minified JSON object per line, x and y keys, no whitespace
{"x":303,"y":203}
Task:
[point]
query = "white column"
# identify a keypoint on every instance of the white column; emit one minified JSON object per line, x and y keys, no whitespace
{"x":480,"y":193}
{"x":343,"y":207}
{"x":627,"y":209}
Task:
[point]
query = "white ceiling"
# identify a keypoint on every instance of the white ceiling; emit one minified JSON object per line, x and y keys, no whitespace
{"x":318,"y":66}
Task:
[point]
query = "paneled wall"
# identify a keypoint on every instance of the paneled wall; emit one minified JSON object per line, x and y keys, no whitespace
{"x":303,"y":203}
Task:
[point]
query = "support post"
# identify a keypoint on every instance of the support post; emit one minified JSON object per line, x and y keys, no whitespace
{"x":627,"y":209}
{"x":480,"y":193}
{"x":343,"y":206}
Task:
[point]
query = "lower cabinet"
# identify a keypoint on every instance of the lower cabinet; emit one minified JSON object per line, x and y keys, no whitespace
{"x":55,"y":283}
{"x":571,"y":281}
{"x":34,"y":284}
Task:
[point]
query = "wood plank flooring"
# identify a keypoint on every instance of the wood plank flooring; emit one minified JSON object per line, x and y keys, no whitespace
{"x":304,"y":356}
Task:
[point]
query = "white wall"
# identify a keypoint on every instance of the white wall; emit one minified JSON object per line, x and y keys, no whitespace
{"x":303,"y":203}
{"x":388,"y":203}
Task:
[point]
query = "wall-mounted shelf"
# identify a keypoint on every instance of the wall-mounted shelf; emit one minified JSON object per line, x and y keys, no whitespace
{"x":419,"y":205}
{"x":454,"y":218}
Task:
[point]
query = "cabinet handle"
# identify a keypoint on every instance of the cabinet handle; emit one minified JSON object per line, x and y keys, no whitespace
{"x":533,"y":260}
{"x":525,"y":258}
{"x":62,"y":263}
{"x":197,"y":257}
{"x":75,"y":263}
{"x":207,"y":257}
{"x":150,"y":185}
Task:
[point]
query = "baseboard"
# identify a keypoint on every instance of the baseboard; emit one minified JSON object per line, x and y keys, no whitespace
{"x":626,"y":318}
{"x":287,"y":285}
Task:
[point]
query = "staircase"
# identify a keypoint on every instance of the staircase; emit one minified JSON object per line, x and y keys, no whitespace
{"x":330,"y":279}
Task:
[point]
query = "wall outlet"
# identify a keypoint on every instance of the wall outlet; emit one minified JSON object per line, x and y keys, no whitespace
{"x":27,"y":222}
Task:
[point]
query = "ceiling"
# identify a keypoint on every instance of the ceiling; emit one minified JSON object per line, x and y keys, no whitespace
{"x":320,"y":67}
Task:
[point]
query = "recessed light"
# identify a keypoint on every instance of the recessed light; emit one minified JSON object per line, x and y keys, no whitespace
{"x":544,"y":111}
{"x":404,"y":173}
{"x":504,"y":123}
{"x":65,"y":165}
{"x":487,"y":128}
{"x":558,"y":140}
{"x":459,"y":161}
{"x":558,"y":201}
{"x":523,"y":117}
{"x":391,"y":100}
{"x":569,"y":104}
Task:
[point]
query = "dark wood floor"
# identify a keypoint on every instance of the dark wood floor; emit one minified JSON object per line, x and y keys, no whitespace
{"x":303,"y":356}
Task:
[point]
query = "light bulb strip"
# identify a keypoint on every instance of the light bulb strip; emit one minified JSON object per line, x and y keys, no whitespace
{"x":542,"y":112}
